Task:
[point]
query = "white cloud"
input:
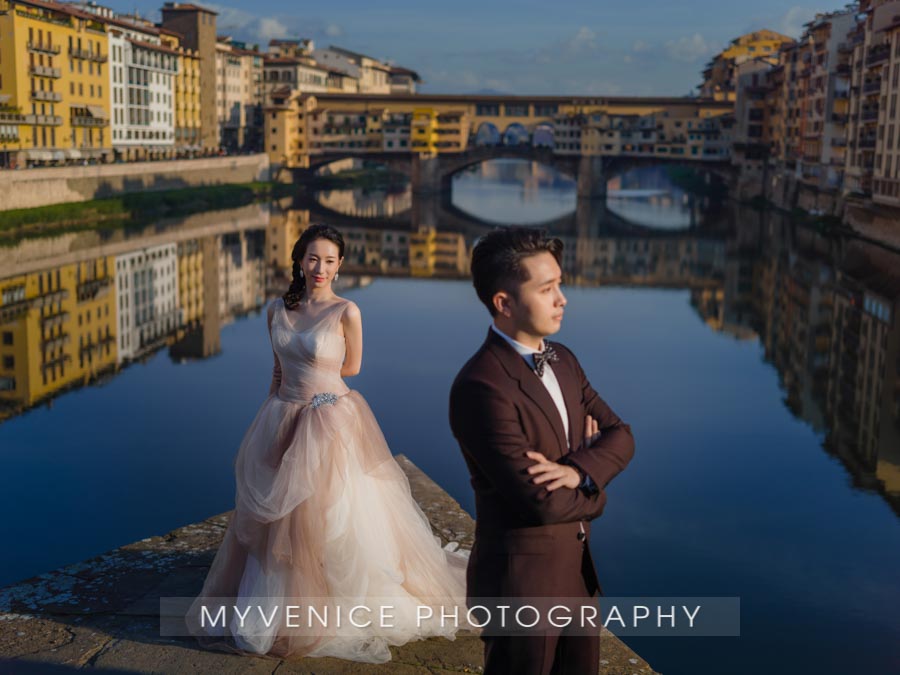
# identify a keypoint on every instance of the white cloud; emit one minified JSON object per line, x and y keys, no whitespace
{"x":791,"y":22}
{"x":270,"y":29}
{"x":627,"y":58}
{"x":585,"y":40}
{"x":640,"y":46}
{"x":333,"y":30}
{"x":690,"y":49}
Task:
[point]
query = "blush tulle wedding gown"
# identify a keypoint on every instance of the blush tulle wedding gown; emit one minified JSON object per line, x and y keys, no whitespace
{"x":324,"y":513}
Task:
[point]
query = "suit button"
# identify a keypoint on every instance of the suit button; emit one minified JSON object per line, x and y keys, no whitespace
{"x":581,"y":536}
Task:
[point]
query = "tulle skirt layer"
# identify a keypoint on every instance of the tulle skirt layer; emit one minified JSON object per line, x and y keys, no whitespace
{"x":324,"y":514}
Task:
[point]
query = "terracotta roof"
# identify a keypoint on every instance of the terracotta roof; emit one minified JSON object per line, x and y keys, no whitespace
{"x":397,"y":70}
{"x":184,"y":7}
{"x":154,"y":47}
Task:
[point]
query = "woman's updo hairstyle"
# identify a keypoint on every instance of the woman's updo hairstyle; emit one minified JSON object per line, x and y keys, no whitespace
{"x":298,"y":282}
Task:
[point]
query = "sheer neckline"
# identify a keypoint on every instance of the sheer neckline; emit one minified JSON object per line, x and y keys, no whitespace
{"x":316,"y":320}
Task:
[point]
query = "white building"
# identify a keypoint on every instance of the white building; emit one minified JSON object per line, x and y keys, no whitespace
{"x":374,"y":76}
{"x":147,"y":298}
{"x":142,"y":85}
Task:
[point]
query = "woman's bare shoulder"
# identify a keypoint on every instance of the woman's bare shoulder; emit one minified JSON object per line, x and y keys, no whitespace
{"x":351,"y":311}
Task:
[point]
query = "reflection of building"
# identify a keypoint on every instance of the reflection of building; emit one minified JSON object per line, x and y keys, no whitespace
{"x":242,"y":273}
{"x":57,"y":329}
{"x":432,"y":252}
{"x":190,"y":281}
{"x":827,"y":318}
{"x":147,"y":286}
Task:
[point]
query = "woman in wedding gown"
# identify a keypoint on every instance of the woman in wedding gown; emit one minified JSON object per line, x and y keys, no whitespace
{"x":323,"y":514}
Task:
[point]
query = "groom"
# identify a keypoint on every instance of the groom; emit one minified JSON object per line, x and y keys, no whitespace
{"x":541,"y":447}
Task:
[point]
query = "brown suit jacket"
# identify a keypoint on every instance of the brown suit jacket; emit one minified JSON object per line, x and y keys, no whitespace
{"x":527,"y":539}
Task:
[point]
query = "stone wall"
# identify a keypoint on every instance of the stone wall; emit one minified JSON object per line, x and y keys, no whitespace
{"x":28,"y":188}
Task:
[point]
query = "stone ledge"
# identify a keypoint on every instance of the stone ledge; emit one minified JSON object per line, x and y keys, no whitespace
{"x":104,"y":612}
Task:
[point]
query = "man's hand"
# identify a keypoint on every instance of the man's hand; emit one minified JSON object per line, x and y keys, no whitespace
{"x":591,"y":432}
{"x":561,"y":475}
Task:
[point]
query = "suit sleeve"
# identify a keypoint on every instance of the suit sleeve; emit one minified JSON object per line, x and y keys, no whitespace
{"x":612,"y":452}
{"x":488,"y":428}
{"x":276,"y":368}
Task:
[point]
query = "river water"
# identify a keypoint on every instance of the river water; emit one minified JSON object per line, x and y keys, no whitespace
{"x":757,"y":362}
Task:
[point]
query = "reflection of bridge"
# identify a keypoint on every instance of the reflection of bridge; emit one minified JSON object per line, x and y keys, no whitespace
{"x":590,"y":218}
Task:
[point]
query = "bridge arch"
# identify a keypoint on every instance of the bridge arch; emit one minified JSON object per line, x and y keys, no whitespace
{"x":487,"y":134}
{"x":516,"y":134}
{"x":543,"y":136}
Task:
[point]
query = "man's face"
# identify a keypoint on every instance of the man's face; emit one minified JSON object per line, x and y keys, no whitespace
{"x":537,"y":309}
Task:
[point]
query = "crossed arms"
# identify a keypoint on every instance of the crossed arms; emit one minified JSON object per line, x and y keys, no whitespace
{"x":488,"y":427}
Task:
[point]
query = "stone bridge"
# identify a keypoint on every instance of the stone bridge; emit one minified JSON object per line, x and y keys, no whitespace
{"x":434,"y":174}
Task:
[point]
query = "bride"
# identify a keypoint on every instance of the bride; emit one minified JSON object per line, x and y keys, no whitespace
{"x":323,"y":513}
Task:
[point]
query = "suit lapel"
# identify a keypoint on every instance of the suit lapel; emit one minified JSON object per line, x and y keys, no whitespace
{"x":530,"y":385}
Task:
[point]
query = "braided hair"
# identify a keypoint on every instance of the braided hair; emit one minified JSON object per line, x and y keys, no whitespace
{"x":298,"y":282}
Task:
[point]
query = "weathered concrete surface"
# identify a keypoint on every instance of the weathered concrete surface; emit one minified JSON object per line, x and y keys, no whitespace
{"x":104,"y":612}
{"x":29,"y":188}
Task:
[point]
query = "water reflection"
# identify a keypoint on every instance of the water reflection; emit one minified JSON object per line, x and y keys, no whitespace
{"x":78,"y":308}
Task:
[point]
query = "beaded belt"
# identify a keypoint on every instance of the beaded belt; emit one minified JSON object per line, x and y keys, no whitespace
{"x":321,"y":399}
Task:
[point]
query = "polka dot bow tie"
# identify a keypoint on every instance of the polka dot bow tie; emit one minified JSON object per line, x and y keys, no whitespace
{"x":542,"y":358}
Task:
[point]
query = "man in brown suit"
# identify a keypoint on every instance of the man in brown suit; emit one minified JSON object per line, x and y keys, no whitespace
{"x":541,"y":447}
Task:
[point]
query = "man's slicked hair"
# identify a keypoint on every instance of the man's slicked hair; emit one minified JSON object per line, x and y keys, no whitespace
{"x":497,"y":260}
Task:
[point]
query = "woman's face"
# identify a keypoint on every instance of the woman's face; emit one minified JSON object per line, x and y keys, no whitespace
{"x":320,"y":263}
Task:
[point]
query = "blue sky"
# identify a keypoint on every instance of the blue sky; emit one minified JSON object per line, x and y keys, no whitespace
{"x":647,"y":48}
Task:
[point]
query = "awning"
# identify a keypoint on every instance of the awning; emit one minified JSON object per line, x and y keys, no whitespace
{"x":40,"y":155}
{"x":4,"y":98}
{"x":97,"y":112}
{"x":72,"y":153}
{"x":59,"y":155}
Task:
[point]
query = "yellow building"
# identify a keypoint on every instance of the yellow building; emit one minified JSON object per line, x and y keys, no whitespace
{"x":719,"y":77}
{"x":57,"y":329}
{"x":54,"y":84}
{"x":186,"y":95}
{"x":439,"y":131}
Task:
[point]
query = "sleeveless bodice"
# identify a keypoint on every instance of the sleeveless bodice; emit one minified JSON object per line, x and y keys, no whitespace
{"x":310,"y":358}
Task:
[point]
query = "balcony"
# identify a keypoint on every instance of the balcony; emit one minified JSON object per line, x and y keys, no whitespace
{"x":839,"y":118}
{"x":45,"y":48}
{"x":87,"y":121}
{"x":88,"y":54}
{"x":54,"y":320}
{"x":867,"y":142}
{"x":869,"y":115}
{"x":878,"y":54}
{"x":873,"y":87}
{"x":45,"y":71}
{"x":44,"y":120}
{"x":43,"y":95}
{"x":843,"y":69}
{"x":11,"y":117}
{"x":56,"y":342}
{"x":838,"y":142}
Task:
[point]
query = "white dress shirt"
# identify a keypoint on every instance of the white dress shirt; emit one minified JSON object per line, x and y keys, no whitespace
{"x":550,"y":382}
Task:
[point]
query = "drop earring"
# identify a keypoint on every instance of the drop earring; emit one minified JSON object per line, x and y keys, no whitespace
{"x":336,"y":275}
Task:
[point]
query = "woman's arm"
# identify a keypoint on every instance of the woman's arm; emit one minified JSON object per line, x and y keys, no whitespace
{"x":351,"y":321}
{"x":276,"y":368}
